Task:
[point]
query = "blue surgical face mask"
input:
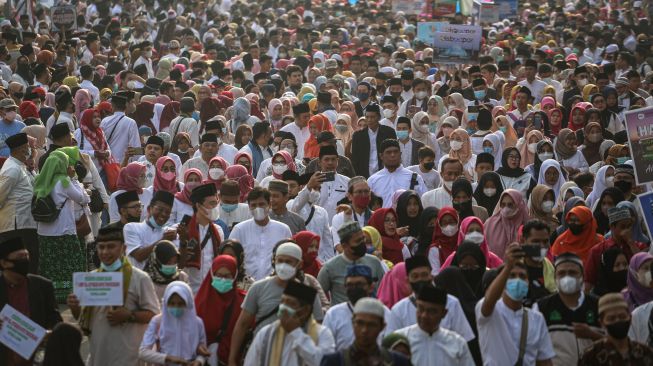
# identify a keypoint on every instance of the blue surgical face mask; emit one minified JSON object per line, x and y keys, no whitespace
{"x":229,"y":207}
{"x":168,"y":269}
{"x":488,"y":149}
{"x":363,"y":96}
{"x":432,"y":127}
{"x":222,"y":285}
{"x":479,"y":94}
{"x":622,"y":160}
{"x":176,"y":312}
{"x":517,"y":289}
{"x":503,"y":129}
{"x":113,"y":267}
{"x":402,"y":135}
{"x":153,"y":222}
{"x":470,"y":131}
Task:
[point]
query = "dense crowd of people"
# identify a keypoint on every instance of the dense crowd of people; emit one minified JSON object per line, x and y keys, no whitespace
{"x":309,"y":183}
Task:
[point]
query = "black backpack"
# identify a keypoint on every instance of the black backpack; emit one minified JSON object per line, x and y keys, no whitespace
{"x":44,"y":209}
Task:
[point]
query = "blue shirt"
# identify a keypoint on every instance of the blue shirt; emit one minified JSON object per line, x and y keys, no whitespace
{"x":7,"y":130}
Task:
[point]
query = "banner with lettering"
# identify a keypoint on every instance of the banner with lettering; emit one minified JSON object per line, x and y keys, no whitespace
{"x":98,"y":288}
{"x":639,"y":127}
{"x":19,"y":333}
{"x":454,"y":43}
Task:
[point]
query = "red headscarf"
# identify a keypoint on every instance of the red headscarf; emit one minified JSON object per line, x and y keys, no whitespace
{"x":209,"y":108}
{"x":582,"y":106}
{"x":212,"y":306}
{"x":289,"y":161}
{"x":582,"y":243}
{"x":28,"y":109}
{"x":555,"y":129}
{"x":445,"y":244}
{"x":170,"y":112}
{"x":128,"y":177}
{"x":255,"y":110}
{"x":391,"y":245}
{"x":143,"y":115}
{"x":248,"y":156}
{"x":160,"y":182}
{"x":223,"y":165}
{"x":312,"y":147}
{"x":104,"y":107}
{"x":94,"y":135}
{"x":311,"y":264}
{"x":245,"y":181}
{"x":184,"y":195}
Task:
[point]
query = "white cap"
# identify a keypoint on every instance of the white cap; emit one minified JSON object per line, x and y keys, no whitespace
{"x":612,"y":48}
{"x":290,"y":249}
{"x":5,"y":23}
{"x":369,"y":305}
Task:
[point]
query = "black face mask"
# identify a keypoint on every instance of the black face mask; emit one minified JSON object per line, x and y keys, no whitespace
{"x":359,"y":250}
{"x":618,"y":330}
{"x":429,"y":166}
{"x":21,"y":266}
{"x":472,"y":276}
{"x":356,"y":293}
{"x":463,"y":207}
{"x":576,"y":229}
{"x":407,"y":87}
{"x":623,"y":185}
{"x":617,"y":280}
{"x":131,"y":218}
{"x":418,"y":286}
{"x":397,"y":95}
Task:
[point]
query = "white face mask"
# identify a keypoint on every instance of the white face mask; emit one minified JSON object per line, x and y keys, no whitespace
{"x":279,"y":169}
{"x":216,"y":173}
{"x":456,"y":145}
{"x":214,"y":213}
{"x":490,"y":192}
{"x":568,"y":284}
{"x":148,"y":54}
{"x":475,"y":237}
{"x":547,"y":206}
{"x":544,"y":156}
{"x":532,"y":148}
{"x":609,"y":181}
{"x":450,"y":230}
{"x":581,"y":82}
{"x":259,"y":213}
{"x":419,"y":74}
{"x":285,"y":271}
{"x":387,"y":113}
{"x":313,"y":196}
{"x":290,"y":150}
{"x":381,"y":60}
{"x":448,"y":184}
{"x":420,"y":95}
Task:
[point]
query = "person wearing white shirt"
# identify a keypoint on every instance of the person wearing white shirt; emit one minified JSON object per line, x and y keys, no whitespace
{"x":63,"y":114}
{"x":431,"y":177}
{"x":394,"y":176}
{"x":441,"y":197}
{"x":86,"y":71}
{"x":534,"y":85}
{"x":153,"y":151}
{"x":185,"y":122}
{"x":359,"y":194}
{"x":299,"y":128}
{"x":140,"y":237}
{"x":358,"y":283}
{"x":430,"y":343}
{"x":259,"y":234}
{"x":404,"y":313}
{"x":331,"y":191}
{"x":390,"y":106}
{"x":203,"y":233}
{"x":303,"y":342}
{"x":500,"y":317}
{"x":639,"y":325}
{"x":120,"y":130}
{"x":146,"y":58}
{"x":208,"y":149}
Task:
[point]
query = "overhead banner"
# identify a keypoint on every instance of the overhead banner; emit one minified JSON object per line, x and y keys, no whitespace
{"x":454,"y":43}
{"x":639,"y":127}
{"x":414,"y":7}
{"x":426,"y":31}
{"x":64,"y":17}
{"x":507,"y":9}
{"x":444,"y":8}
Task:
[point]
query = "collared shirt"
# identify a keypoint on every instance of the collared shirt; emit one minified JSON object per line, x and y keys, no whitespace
{"x":536,"y":88}
{"x":16,"y":196}
{"x":66,"y":198}
{"x":499,"y":336}
{"x":148,"y":65}
{"x":385,"y":183}
{"x":120,"y":137}
{"x":338,"y":320}
{"x":301,"y":136}
{"x":331,"y":193}
{"x":138,"y":235}
{"x":293,"y":220}
{"x":258,"y":242}
{"x":404,"y":314}
{"x":197,"y":163}
{"x":92,"y":89}
{"x":374,"y":158}
{"x":406,"y":152}
{"x":64,"y":117}
{"x":188,"y":125}
{"x":114,"y":212}
{"x":332,"y":274}
{"x":319,"y":224}
{"x":150,"y":170}
{"x":236,"y":216}
{"x":443,"y":347}
{"x":432,"y":178}
{"x":437,"y":198}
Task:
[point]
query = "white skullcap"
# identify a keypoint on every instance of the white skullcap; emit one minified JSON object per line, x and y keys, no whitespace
{"x":369,"y":305}
{"x":291,"y":250}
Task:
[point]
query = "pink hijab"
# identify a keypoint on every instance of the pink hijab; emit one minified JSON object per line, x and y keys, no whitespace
{"x":82,"y":102}
{"x":492,"y":260}
{"x":394,"y":285}
{"x":505,"y":228}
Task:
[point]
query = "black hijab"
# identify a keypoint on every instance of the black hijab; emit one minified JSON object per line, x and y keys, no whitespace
{"x":505,"y":170}
{"x":402,"y":213}
{"x":473,"y":277}
{"x":426,"y":232}
{"x":601,"y":218}
{"x":464,"y":208}
{"x":452,"y":280}
{"x":608,"y":280}
{"x":481,"y":199}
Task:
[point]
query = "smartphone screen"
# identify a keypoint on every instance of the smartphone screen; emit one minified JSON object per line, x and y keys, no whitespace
{"x":329,"y":176}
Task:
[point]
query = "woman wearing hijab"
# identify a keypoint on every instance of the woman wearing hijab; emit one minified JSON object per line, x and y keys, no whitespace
{"x":59,"y":248}
{"x":182,"y":146}
{"x":609,"y":198}
{"x":512,"y":175}
{"x":610,"y":119}
{"x":131,"y":178}
{"x":608,"y":155}
{"x":457,"y":101}
{"x":343,"y":132}
{"x":183,"y":204}
{"x":577,"y":116}
{"x":488,"y":191}
{"x":217,"y":170}
{"x":540,"y":206}
{"x":612,"y":273}
{"x":503,"y":125}
{"x":275,"y":114}
{"x":461,"y":193}
{"x":544,"y":151}
{"x":639,"y":290}
{"x":420,"y":130}
{"x":472,"y":230}
{"x":638,"y":233}
{"x":374,"y":246}
{"x":165,"y":178}
{"x":218,"y":303}
{"x":385,"y":221}
{"x":443,"y":142}
{"x":316,"y":124}
{"x":82,"y":102}
{"x":240,"y":113}
{"x":281,"y":162}
{"x":509,"y":215}
{"x":239,"y":174}
{"x":551,"y":175}
{"x":394,"y":286}
{"x":604,"y":179}
{"x":234,"y":249}
{"x":349,"y":109}
{"x":492,"y":145}
{"x":581,"y":234}
{"x":162,"y":267}
{"x":461,"y":149}
{"x":567,"y":205}
{"x":143,"y":115}
{"x":244,"y":159}
{"x":177,"y":334}
{"x":566,"y":150}
{"x":528,"y":147}
{"x":471,"y":260}
{"x":91,"y":140}
{"x":427,"y":226}
{"x":409,"y":208}
{"x":309,"y":242}
{"x":169,"y":113}
{"x":445,"y":238}
{"x":593,"y":137}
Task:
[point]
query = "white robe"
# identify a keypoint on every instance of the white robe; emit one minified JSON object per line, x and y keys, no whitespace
{"x":443,"y":347}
